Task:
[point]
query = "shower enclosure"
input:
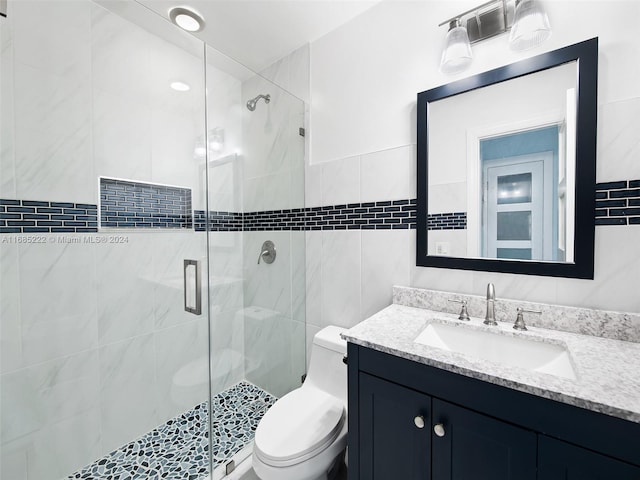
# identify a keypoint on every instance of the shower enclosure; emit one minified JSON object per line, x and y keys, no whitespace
{"x":139,"y":335}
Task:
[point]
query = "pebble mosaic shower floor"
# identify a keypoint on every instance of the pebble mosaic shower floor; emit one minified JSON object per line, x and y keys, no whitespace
{"x":179,"y":449}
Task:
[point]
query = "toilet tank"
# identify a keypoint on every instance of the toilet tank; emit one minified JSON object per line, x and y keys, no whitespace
{"x":327,"y":371}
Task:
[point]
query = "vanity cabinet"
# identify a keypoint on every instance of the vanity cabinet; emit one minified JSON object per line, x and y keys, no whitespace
{"x":563,"y":461}
{"x":409,"y":435}
{"x":411,"y":421}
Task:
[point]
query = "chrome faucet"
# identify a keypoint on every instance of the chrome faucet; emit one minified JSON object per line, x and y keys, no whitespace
{"x":490,"y":317}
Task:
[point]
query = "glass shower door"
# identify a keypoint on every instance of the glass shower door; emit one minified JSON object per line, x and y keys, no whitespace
{"x":256,"y":196}
{"x":103,"y":373}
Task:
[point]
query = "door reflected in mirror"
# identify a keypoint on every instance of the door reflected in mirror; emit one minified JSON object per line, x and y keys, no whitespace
{"x":504,"y":158}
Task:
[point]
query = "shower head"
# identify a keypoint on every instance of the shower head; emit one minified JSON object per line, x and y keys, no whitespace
{"x":251,"y":104}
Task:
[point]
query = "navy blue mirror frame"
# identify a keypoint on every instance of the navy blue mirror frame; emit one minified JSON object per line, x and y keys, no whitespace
{"x":586,"y":55}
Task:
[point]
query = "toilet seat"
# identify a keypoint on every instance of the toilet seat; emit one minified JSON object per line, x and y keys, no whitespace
{"x":281,"y":442}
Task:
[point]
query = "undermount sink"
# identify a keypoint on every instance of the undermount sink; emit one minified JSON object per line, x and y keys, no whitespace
{"x":500,"y":348}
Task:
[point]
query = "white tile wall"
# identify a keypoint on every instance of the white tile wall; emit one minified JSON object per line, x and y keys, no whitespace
{"x":341,"y":181}
{"x":7,"y":161}
{"x":341,"y":270}
{"x":388,"y":175}
{"x":129,"y":406}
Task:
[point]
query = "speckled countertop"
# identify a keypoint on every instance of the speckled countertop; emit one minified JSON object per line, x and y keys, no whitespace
{"x":607,"y":371}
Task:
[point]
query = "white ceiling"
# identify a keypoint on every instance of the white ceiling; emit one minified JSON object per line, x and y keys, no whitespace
{"x":258,"y":32}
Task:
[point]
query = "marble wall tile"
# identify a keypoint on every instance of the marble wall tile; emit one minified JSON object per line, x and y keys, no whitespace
{"x":225,"y":184}
{"x":227,"y":348}
{"x":273,"y":346}
{"x":448,"y":197}
{"x":298,"y":277}
{"x":54,"y":402}
{"x":170,"y":249}
{"x":437,"y":278}
{"x":268,"y":285}
{"x":10,"y":328}
{"x":118,"y":68}
{"x":385,"y":262}
{"x":173,"y":141}
{"x":388,"y":174}
{"x":121,"y":136}
{"x":299,"y":73}
{"x":292,"y":73}
{"x":313,"y":282}
{"x":181,"y":354}
{"x":618,"y":144}
{"x":225,"y":109}
{"x":13,"y":464}
{"x":616,"y":273}
{"x":270,"y":142}
{"x":52,"y":135}
{"x":297,"y":188}
{"x":58,"y":299}
{"x":7,"y":162}
{"x":225,"y":254}
{"x":125,"y":287}
{"x":269,"y":192}
{"x":64,"y":447}
{"x":311,"y":332}
{"x":341,"y":181}
{"x":129,"y":398}
{"x":341,"y":278}
{"x":53,"y":36}
{"x":52,"y":101}
{"x":278,"y":72}
{"x":524,"y":287}
{"x":313,"y":186}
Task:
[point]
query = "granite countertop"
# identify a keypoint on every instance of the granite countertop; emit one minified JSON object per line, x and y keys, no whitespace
{"x":607,"y":371}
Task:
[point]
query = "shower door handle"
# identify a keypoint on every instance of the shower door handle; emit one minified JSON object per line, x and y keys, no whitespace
{"x":192,"y":290}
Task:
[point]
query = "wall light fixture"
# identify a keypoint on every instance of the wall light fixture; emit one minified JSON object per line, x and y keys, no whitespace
{"x":526,"y":19}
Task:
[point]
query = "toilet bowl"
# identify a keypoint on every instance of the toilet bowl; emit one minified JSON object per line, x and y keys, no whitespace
{"x":304,"y":434}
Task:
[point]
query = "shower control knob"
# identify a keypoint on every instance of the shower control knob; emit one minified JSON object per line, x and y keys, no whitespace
{"x":438,"y":429}
{"x":419,"y":421}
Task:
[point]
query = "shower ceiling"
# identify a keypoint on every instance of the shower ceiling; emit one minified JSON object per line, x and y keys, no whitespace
{"x":258,"y":32}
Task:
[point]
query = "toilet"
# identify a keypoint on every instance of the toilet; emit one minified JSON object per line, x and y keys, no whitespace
{"x":304,"y":434}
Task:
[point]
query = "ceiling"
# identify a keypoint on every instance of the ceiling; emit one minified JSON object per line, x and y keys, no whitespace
{"x":259,"y":32}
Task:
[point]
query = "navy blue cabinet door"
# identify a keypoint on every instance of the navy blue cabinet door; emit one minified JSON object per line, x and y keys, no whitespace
{"x":395,"y":433}
{"x":472,"y":446}
{"x":562,"y":461}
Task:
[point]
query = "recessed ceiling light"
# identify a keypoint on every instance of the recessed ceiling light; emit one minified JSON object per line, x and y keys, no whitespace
{"x":180,"y":86}
{"x":186,"y":19}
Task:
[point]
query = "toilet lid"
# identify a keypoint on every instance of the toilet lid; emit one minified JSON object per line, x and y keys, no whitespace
{"x":299,"y":424}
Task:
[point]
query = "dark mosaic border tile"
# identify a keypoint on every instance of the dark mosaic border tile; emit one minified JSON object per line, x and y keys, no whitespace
{"x":447,"y":221}
{"x":31,"y":216}
{"x":179,"y":449}
{"x":618,"y":203}
{"x":218,"y":221}
{"x":388,"y":214}
{"x":128,"y":204}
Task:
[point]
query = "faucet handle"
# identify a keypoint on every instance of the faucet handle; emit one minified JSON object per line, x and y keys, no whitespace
{"x":464,"y":314}
{"x":519,"y":323}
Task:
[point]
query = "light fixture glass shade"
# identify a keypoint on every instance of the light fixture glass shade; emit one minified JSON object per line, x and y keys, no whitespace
{"x":530,"y":25}
{"x":456,"y":54}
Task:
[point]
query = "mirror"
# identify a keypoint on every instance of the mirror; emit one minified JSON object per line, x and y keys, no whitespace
{"x":506,"y":167}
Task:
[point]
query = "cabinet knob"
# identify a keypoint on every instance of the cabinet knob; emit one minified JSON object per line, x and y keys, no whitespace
{"x":419,"y":421}
{"x":438,"y":429}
